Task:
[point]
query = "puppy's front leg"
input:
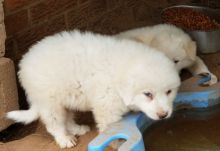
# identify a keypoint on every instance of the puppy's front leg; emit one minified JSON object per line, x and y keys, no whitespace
{"x":105,"y":117}
{"x":199,"y":67}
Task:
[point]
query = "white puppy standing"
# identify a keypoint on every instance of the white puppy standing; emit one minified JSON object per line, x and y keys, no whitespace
{"x":175,"y":43}
{"x":85,"y":71}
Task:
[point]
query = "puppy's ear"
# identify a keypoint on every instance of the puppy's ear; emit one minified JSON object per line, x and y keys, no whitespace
{"x":126,"y":96}
{"x":154,"y":42}
{"x":138,"y":39}
{"x":191,"y":50}
{"x":126,"y":92}
{"x":142,"y":39}
{"x":157,"y":41}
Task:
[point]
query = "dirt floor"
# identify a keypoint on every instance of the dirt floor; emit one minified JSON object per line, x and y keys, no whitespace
{"x":34,"y":137}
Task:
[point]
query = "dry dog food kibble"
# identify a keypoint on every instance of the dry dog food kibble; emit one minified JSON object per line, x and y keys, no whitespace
{"x":189,"y":19}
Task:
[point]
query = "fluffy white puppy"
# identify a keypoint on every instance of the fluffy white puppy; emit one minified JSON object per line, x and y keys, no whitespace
{"x":85,"y":71}
{"x":175,"y":43}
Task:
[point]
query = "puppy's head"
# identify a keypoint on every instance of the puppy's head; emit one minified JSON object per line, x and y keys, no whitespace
{"x":181,"y":51}
{"x":172,"y":41}
{"x":151,"y":85}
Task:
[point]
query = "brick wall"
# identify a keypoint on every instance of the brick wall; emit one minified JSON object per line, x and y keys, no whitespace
{"x":28,"y":21}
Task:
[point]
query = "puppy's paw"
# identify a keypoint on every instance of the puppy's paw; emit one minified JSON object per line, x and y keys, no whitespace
{"x":66,"y":141}
{"x":79,"y":129}
{"x":212,"y":81}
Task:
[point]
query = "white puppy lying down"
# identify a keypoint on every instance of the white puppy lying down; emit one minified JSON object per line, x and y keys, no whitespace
{"x":174,"y":42}
{"x":85,"y":71}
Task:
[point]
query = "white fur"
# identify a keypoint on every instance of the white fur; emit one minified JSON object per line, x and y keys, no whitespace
{"x":85,"y":71}
{"x":174,"y":42}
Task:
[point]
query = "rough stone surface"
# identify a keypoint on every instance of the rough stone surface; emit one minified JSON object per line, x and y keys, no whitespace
{"x":2,"y":40}
{"x":2,"y":31}
{"x":1,"y":13}
{"x":8,"y":90}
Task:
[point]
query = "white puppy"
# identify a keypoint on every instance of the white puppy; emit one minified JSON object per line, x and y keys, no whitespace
{"x":175,"y":43}
{"x":85,"y":71}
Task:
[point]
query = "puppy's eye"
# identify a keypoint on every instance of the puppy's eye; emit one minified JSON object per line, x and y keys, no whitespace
{"x":168,"y":92}
{"x":175,"y":61}
{"x":149,"y":95}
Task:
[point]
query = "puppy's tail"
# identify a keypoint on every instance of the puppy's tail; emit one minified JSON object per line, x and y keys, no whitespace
{"x":23,"y":116}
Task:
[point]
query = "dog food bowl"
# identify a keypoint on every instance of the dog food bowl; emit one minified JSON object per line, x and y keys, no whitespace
{"x":208,"y":41}
{"x":131,"y":127}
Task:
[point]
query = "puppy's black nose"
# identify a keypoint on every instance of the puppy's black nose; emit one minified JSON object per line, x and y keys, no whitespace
{"x":162,"y":115}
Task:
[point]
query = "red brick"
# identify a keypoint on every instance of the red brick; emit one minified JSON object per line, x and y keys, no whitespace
{"x":82,"y":1}
{"x":157,"y":4}
{"x":28,"y":37}
{"x":75,"y":20}
{"x":11,"y":5}
{"x":113,"y":3}
{"x":48,"y":8}
{"x":16,"y":22}
{"x":178,"y":2}
{"x":86,"y":14}
{"x":107,"y":25}
{"x":132,"y":3}
{"x":144,"y":13}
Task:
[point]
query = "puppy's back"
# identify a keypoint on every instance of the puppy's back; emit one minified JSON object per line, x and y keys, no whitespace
{"x":62,"y":61}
